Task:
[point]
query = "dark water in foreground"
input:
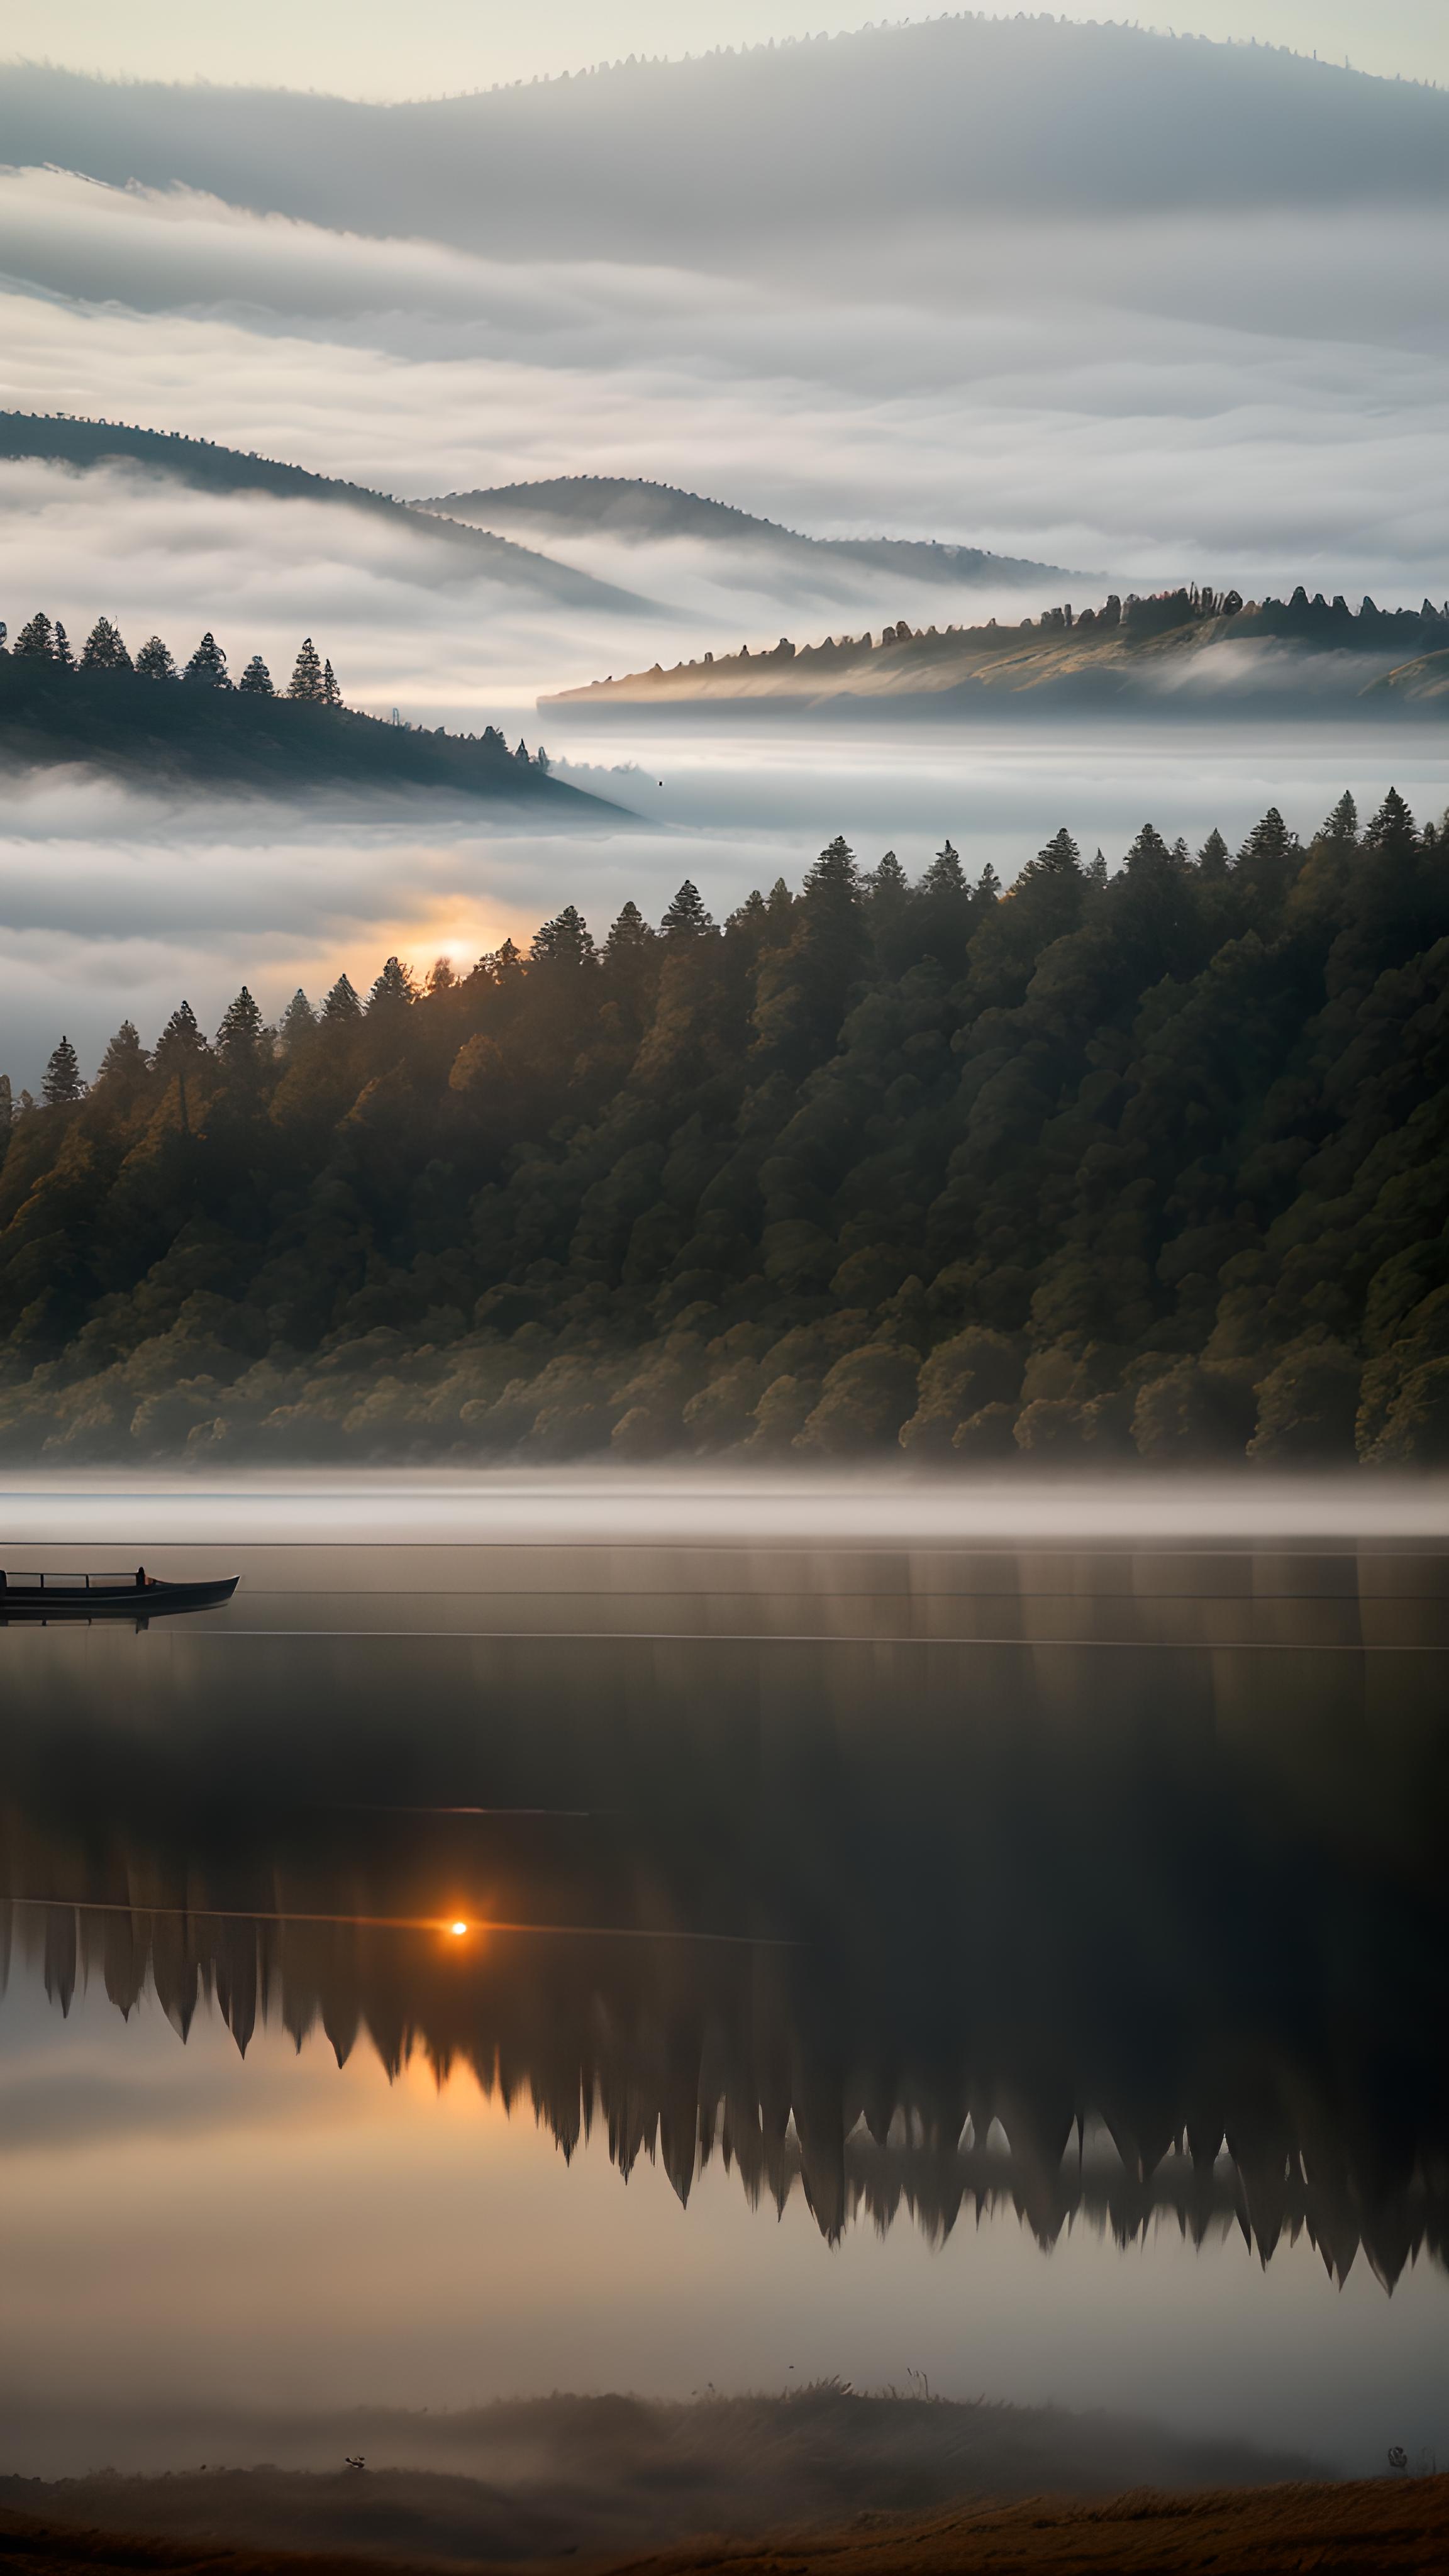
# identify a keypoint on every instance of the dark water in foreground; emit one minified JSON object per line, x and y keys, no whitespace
{"x":1025,"y":1968}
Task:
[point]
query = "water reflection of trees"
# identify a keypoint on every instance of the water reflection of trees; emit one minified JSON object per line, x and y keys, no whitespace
{"x":1012,"y":1933}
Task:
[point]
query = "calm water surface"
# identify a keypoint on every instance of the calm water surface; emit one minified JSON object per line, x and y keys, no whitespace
{"x":1019,"y":1963}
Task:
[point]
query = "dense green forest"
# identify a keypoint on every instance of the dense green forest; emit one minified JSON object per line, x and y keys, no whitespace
{"x":1151,"y":1164}
{"x":144,"y":715}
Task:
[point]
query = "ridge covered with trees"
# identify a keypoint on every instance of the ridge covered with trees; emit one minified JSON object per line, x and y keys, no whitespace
{"x":1145,"y":652}
{"x":631,"y":507}
{"x":144,"y":713}
{"x":1147,"y":1164}
{"x":201,"y":465}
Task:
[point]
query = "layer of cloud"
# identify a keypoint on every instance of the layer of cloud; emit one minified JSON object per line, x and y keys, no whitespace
{"x":1229,"y":392}
{"x":959,"y":117}
{"x":117,"y":905}
{"x":1153,"y":451}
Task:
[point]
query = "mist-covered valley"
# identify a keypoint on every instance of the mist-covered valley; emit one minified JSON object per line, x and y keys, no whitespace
{"x":489,"y":399}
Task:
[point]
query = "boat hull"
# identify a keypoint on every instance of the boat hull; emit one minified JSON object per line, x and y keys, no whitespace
{"x":32,"y":1601}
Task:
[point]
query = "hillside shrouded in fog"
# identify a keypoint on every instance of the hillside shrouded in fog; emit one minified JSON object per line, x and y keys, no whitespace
{"x":1029,"y":115}
{"x":1156,"y":312}
{"x":1164,"y":309}
{"x":1101,"y":1168}
{"x":1182,"y":651}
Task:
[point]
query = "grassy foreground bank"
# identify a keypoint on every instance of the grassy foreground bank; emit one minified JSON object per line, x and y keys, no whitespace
{"x":1358,"y":2527}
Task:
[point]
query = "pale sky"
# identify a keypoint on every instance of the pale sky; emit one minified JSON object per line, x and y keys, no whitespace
{"x":365,"y":48}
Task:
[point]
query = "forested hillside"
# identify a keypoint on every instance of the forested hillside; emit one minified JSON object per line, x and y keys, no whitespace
{"x":566,"y":505}
{"x":1150,"y":1165}
{"x":1165,"y":655}
{"x":200,"y":465}
{"x":146,"y":718}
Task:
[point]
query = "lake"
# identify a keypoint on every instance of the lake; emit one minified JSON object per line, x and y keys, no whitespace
{"x":621,"y":1935}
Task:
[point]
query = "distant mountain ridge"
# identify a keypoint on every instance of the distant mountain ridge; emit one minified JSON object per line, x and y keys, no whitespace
{"x":619,"y":505}
{"x":203,"y":466}
{"x":958,"y":116}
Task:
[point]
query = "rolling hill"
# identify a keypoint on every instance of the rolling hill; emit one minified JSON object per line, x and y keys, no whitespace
{"x":568,"y":505}
{"x":90,"y":444}
{"x":771,"y":146}
{"x":1181,"y":652}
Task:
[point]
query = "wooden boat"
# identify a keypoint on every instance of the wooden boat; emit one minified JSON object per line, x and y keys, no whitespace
{"x":106,"y":1596}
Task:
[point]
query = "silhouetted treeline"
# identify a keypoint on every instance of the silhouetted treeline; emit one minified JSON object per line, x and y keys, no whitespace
{"x":1090,"y":655}
{"x":142,"y":714}
{"x":1150,"y":1165}
{"x":44,"y":640}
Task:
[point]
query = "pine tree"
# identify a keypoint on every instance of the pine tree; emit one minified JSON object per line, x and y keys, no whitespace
{"x":207,"y":666}
{"x":36,"y":639}
{"x":686,"y":917}
{"x":630,"y":939}
{"x":342,"y":1003}
{"x":564,"y":941}
{"x":393,"y":992}
{"x":887,"y":881}
{"x":104,"y":650}
{"x":889,"y":911}
{"x":1061,"y":855}
{"x":1268,"y":861}
{"x":1340,"y":828}
{"x":944,"y":910}
{"x":7,"y":1105}
{"x":1095,"y":871}
{"x":331,"y":694}
{"x":541,"y":761}
{"x":1060,"y":858}
{"x":180,"y":1042}
{"x":62,"y":1083}
{"x":1212,"y":859}
{"x":256,"y":680}
{"x":833,"y":875}
{"x":945,"y":875}
{"x":521,"y":754}
{"x":155,"y":661}
{"x":63,"y":654}
{"x":780,"y":911}
{"x":1148,"y":851}
{"x":1269,"y":843}
{"x":239,"y":1038}
{"x":306,"y":682}
{"x":124,"y":1063}
{"x":988,"y":887}
{"x":1392,"y":833}
{"x":299,"y":1022}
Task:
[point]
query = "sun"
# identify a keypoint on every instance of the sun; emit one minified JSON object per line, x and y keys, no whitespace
{"x":457,"y":1930}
